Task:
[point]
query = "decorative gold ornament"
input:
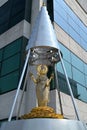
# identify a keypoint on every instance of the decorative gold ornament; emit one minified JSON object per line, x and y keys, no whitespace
{"x":42,"y":69}
{"x":42,"y":112}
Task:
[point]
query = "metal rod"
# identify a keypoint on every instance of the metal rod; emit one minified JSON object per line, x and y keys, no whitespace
{"x":19,"y":85}
{"x":69,"y":87}
{"x":57,"y":86}
{"x":22,"y":95}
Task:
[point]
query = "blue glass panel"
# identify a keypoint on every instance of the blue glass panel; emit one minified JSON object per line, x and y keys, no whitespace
{"x":74,"y":34}
{"x":73,"y":24}
{"x":61,"y":22}
{"x":83,"y":43}
{"x":11,"y":64}
{"x":83,"y":34}
{"x":9,"y":82}
{"x":4,"y":18}
{"x":0,"y":66}
{"x":78,"y":76}
{"x":85,"y":66}
{"x":68,"y":69}
{"x":61,"y":2}
{"x":86,"y":80}
{"x":77,"y":62}
{"x":59,"y":68}
{"x":82,"y":26}
{"x":60,"y":11}
{"x":82,"y":93}
{"x":12,"y":48}
{"x":72,"y":15}
{"x":66,"y":53}
{"x":17,"y":7}
{"x":1,"y":51}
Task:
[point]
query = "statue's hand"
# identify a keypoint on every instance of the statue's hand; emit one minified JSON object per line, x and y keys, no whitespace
{"x":30,"y":74}
{"x":32,"y":77}
{"x":52,"y":76}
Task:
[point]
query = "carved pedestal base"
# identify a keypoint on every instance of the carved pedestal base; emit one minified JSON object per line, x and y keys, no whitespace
{"x":42,"y":112}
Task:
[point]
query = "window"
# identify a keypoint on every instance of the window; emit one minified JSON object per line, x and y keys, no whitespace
{"x":70,"y":23}
{"x":78,"y":76}
{"x":82,"y":91}
{"x":1,"y":52}
{"x":68,"y":69}
{"x":76,"y":69}
{"x":76,"y":62}
{"x":12,"y":12}
{"x":9,"y":82}
{"x":66,"y":53}
{"x":77,"y":73}
{"x":11,"y":63}
{"x":64,"y":87}
{"x":12,"y":49}
{"x":86,"y":80}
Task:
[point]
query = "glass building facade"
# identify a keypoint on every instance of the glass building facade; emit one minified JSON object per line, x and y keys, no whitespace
{"x":12,"y":58}
{"x":12,"y":12}
{"x":70,"y":23}
{"x":76,"y":68}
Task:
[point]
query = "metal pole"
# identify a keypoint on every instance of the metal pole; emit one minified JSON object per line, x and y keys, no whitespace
{"x":20,"y":102}
{"x":57,"y":86}
{"x":19,"y":85}
{"x":69,"y":87}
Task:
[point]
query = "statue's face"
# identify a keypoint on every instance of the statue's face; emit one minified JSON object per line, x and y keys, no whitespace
{"x":42,"y":69}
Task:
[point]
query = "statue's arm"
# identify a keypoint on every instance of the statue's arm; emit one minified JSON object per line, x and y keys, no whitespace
{"x":33,"y":78}
{"x":49,"y":80}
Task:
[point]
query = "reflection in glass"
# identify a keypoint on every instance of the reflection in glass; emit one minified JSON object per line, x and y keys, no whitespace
{"x":85,"y":66}
{"x":68,"y":69}
{"x":86,"y":80}
{"x":82,"y":93}
{"x":78,"y":76}
{"x":76,"y":62}
{"x":66,"y":53}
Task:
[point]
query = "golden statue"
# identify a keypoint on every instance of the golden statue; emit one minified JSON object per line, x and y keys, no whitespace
{"x":42,"y":92}
{"x":42,"y":84}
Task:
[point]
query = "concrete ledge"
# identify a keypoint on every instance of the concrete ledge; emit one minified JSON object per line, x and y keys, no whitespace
{"x":17,"y":31}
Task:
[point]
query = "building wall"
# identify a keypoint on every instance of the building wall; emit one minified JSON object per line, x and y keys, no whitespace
{"x":83,"y":4}
{"x":15,"y":21}
{"x":71,"y":31}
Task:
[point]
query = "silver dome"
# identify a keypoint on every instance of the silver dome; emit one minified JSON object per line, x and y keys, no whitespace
{"x":43,"y":42}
